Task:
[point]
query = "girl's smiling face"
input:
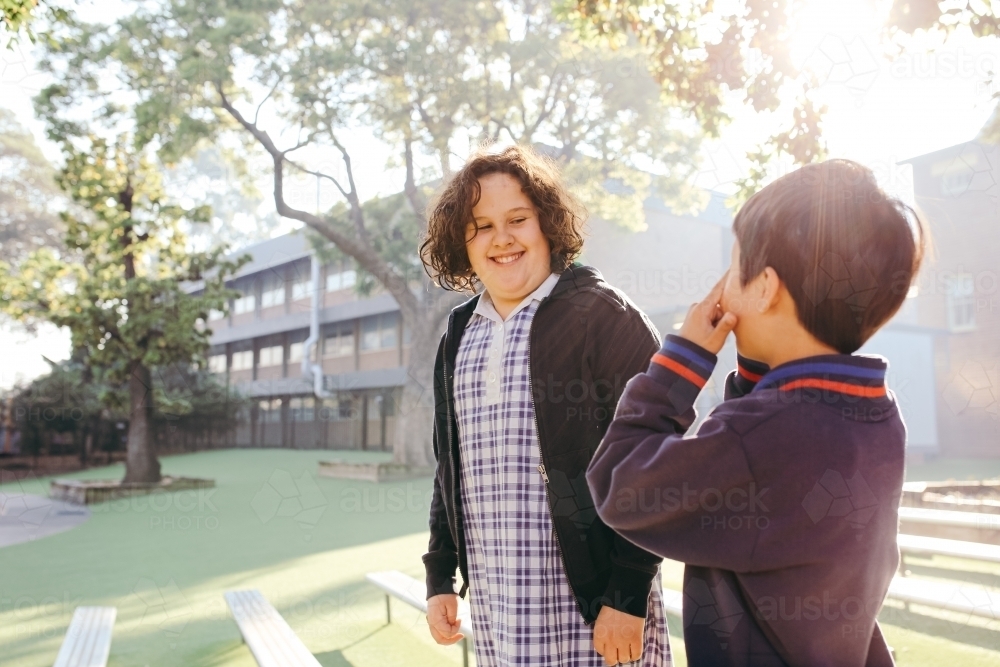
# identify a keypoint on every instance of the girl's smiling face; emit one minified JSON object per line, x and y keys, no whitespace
{"x":506,"y":246}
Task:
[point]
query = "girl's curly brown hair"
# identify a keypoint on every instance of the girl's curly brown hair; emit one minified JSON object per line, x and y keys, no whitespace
{"x":560,"y":215}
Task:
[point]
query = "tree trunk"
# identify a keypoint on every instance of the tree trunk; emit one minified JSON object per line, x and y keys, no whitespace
{"x":141,"y":464}
{"x":415,"y":414}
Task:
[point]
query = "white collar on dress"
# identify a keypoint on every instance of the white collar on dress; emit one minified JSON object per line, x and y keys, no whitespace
{"x":486,"y":308}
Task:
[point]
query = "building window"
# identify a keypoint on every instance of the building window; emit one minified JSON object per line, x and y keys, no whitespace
{"x":217,"y":363}
{"x":339,"y":280}
{"x":242,"y":361}
{"x":272,"y":297}
{"x":339,"y":342}
{"x":244,"y":304}
{"x":380,"y":332}
{"x":270,"y":411}
{"x":272,"y":356}
{"x":342,"y":408}
{"x":214,"y":315}
{"x":295,"y":351}
{"x":301,"y":290}
{"x":300,"y":409}
{"x":961,"y":302}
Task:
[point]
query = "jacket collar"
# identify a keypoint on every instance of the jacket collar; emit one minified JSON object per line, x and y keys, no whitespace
{"x":854,"y":375}
{"x":572,"y":280}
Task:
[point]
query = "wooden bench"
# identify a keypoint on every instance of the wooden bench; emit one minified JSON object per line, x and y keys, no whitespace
{"x":88,"y":638}
{"x":403,"y":587}
{"x":935,"y":546}
{"x":965,"y":526}
{"x":270,"y":639}
{"x":973,"y":600}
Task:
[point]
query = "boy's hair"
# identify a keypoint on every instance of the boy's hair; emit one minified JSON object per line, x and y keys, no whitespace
{"x":845,"y":250}
{"x":560,"y":216}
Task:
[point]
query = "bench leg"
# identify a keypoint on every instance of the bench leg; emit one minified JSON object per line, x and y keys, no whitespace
{"x":465,"y":652}
{"x":388,"y":611}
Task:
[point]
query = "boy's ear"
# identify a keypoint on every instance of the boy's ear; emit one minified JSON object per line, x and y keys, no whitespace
{"x":771,"y":287}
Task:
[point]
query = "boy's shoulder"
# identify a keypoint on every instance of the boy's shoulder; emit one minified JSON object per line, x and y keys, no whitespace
{"x":772,"y":418}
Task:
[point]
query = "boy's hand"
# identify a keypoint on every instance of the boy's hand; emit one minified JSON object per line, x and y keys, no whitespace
{"x":618,"y":636}
{"x":706,"y":325}
{"x":442,"y":618}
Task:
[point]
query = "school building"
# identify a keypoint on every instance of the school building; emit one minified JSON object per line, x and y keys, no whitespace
{"x":955,"y":311}
{"x":362,"y":349}
{"x":943,"y":346}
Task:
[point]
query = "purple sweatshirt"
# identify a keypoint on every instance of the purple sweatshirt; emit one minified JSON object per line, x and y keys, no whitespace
{"x":783,"y":505}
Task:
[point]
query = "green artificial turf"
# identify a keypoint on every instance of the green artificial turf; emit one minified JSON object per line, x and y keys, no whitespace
{"x":306,"y":542}
{"x":271,"y":523}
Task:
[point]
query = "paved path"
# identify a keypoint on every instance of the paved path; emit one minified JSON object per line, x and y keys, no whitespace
{"x":25,"y":517}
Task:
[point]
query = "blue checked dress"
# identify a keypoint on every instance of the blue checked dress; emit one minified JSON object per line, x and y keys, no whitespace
{"x":523,"y":610}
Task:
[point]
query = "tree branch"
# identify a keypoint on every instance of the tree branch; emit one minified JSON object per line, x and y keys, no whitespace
{"x":413,"y":194}
{"x":357,"y":213}
{"x":357,"y":248}
{"x":266,"y":98}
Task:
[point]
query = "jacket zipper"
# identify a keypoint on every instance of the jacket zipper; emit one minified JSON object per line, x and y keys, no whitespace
{"x":541,"y":461}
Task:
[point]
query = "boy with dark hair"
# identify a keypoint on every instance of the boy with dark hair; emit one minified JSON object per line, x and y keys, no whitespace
{"x":783,"y":505}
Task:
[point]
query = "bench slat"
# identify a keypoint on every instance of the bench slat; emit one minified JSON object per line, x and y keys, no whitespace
{"x":275,"y":642}
{"x":270,"y":639}
{"x":950,"y":518}
{"x":407,"y":589}
{"x":88,"y":638}
{"x":916,"y":544}
{"x":972,"y":600}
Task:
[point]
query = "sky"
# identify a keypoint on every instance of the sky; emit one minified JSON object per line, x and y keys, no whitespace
{"x":881,"y":109}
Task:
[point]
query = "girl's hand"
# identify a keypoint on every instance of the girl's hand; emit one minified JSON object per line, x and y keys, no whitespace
{"x":442,"y":618}
{"x":618,"y":636}
{"x":706,"y":325}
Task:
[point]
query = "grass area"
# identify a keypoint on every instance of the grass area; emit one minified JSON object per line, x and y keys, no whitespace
{"x":271,"y":523}
{"x":306,"y":542}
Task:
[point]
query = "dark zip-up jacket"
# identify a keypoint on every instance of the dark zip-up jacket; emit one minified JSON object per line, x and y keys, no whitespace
{"x":783,"y":506}
{"x":586,"y":341}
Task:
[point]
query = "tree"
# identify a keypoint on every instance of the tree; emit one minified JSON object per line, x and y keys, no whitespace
{"x":72,"y":400}
{"x":911,"y":17}
{"x":18,"y":15}
{"x":700,"y":54}
{"x":28,"y":193}
{"x":430,"y":77}
{"x":15,"y":14}
{"x":119,"y":288}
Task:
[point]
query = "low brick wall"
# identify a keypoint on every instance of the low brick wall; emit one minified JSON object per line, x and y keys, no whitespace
{"x":89,"y":492}
{"x":372,"y":472}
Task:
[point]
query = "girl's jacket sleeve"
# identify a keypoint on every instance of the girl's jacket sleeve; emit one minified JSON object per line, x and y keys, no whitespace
{"x":672,"y":494}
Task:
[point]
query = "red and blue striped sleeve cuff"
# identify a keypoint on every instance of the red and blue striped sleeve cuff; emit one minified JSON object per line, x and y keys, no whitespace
{"x":679,"y":358}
